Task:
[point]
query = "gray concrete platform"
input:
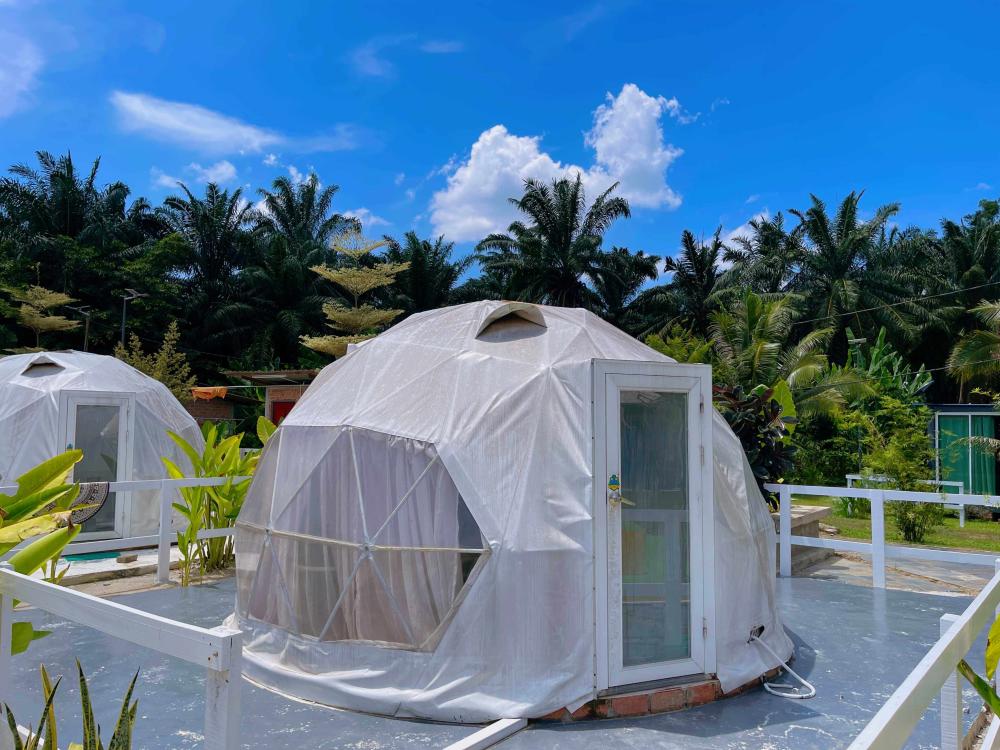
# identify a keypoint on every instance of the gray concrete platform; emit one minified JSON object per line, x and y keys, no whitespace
{"x":856,"y":644}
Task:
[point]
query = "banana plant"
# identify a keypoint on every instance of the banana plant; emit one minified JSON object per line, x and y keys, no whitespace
{"x":121,"y":737}
{"x":986,"y":690}
{"x":212,"y":507}
{"x":39,"y":508}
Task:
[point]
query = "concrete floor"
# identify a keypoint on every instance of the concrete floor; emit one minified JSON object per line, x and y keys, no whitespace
{"x":854,"y":643}
{"x":924,"y":576}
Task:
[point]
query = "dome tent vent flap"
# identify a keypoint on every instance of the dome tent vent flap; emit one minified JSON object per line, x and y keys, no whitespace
{"x":41,"y":366}
{"x":517,"y":318}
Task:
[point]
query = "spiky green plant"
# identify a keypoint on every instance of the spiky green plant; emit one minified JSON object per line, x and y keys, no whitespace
{"x":121,"y":737}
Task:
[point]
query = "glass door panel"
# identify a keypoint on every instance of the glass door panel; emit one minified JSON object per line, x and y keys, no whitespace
{"x":655,"y":533}
{"x":99,"y":425}
{"x":97,"y":433}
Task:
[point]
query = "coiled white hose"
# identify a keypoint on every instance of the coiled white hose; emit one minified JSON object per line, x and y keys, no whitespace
{"x":786,"y":691}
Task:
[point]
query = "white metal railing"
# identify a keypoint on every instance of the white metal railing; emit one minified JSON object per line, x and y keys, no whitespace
{"x":960,"y":486}
{"x":936,"y":674}
{"x":218,"y":650}
{"x":876,"y":548}
{"x":166,"y":532}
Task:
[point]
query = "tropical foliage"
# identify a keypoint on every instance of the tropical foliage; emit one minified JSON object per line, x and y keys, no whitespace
{"x":829,"y":305}
{"x":212,"y":507}
{"x":47,"y":736}
{"x":41,"y":508}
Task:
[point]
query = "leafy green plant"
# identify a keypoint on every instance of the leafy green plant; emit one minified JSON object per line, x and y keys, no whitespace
{"x":757,"y":420}
{"x":987,"y":690}
{"x":39,"y":508}
{"x":899,"y":449}
{"x":885,"y":369}
{"x":212,"y":507}
{"x":121,"y":737}
{"x":681,"y":345}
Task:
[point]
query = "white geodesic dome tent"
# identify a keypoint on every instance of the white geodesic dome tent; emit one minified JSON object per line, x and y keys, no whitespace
{"x":499,"y":510}
{"x":119,"y":417}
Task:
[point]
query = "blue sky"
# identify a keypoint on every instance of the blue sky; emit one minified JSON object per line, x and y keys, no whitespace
{"x":429,"y":115}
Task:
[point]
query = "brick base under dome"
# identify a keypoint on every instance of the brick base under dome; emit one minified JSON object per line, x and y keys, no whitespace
{"x":653,"y":701}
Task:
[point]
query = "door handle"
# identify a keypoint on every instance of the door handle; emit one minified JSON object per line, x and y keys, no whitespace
{"x":615,"y":498}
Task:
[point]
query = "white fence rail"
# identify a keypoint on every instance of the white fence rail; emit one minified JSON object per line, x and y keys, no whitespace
{"x":936,"y":674}
{"x":218,"y":650}
{"x":166,"y":534}
{"x":877,"y":547}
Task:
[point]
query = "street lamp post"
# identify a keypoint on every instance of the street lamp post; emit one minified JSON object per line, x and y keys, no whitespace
{"x":130,"y":295}
{"x":84,"y":310}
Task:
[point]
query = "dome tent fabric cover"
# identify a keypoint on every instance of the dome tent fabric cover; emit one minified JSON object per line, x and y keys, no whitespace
{"x":30,"y":425}
{"x":419,"y":541}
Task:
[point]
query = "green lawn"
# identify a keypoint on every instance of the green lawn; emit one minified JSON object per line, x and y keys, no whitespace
{"x":977,"y":535}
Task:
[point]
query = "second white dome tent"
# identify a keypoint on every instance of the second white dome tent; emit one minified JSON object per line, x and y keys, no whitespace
{"x":500,"y":510}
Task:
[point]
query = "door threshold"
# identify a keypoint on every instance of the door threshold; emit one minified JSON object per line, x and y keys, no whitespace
{"x":652,"y":685}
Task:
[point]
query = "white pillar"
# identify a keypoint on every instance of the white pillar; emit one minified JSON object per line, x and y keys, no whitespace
{"x":952,"y":730}
{"x":166,"y":533}
{"x":878,"y":539}
{"x":785,"y":532}
{"x":6,"y":644}
{"x":222,"y":696}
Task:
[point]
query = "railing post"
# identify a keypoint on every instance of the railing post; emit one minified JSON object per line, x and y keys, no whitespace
{"x":951,"y":701}
{"x":996,"y":569}
{"x":166,"y":532}
{"x":878,"y":538}
{"x":222,"y":697}
{"x":785,"y":532}
{"x":6,"y":640}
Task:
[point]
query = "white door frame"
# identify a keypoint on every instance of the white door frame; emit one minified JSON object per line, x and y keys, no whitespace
{"x":68,"y":401}
{"x":696,"y":382}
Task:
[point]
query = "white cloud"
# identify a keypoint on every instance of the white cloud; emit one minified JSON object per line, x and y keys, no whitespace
{"x":270,"y":160}
{"x":371,"y":58}
{"x":366,"y":217}
{"x":410,"y":194}
{"x":716,"y":103}
{"x":675,"y":110}
{"x":200,"y":128}
{"x":628,"y":143}
{"x":744,"y":230}
{"x":752,"y":198}
{"x":368,"y":59}
{"x":399,"y":179}
{"x":440,"y":47}
{"x":297,"y":177}
{"x":20,"y":64}
{"x":575,"y":23}
{"x":189,"y":124}
{"x":983,"y":186}
{"x":220,"y":173}
{"x":162,"y":179}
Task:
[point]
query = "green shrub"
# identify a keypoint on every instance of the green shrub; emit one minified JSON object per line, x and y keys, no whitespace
{"x":757,"y":420}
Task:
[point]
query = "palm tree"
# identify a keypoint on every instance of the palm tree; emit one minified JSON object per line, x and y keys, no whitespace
{"x":618,"y":282}
{"x":278,"y":303}
{"x":432,"y":276}
{"x":217,"y":232}
{"x":754,"y":347}
{"x":767,"y":258}
{"x":50,"y":201}
{"x":301,"y":214}
{"x":551,"y":259}
{"x":977,"y":353}
{"x":856,"y":273}
{"x":695,"y":285}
